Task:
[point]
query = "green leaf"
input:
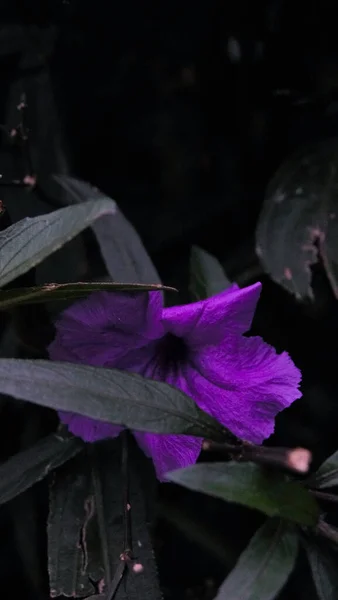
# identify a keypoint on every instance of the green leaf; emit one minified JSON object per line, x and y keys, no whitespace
{"x":206,"y":275}
{"x":86,"y":530}
{"x":323,"y":563}
{"x":327,"y":474}
{"x":28,"y":242}
{"x":107,"y":395}
{"x":125,"y":257}
{"x":265,"y":565}
{"x":28,"y":467}
{"x":252,"y":486}
{"x":68,"y":291}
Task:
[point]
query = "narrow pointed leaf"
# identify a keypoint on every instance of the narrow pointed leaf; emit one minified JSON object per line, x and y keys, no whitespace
{"x":107,"y":395}
{"x":68,"y":291}
{"x":327,"y":474}
{"x":265,"y":565}
{"x":206,"y":275}
{"x":125,"y":257}
{"x":252,"y":486}
{"x":28,"y":242}
{"x":28,"y":467}
{"x":323,"y":563}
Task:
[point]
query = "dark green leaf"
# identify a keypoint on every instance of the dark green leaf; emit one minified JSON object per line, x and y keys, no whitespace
{"x":107,"y":395}
{"x":206,"y":275}
{"x":28,"y":467}
{"x":327,"y":474}
{"x":73,"y":532}
{"x":28,"y":242}
{"x":121,"y":247}
{"x":265,"y":565}
{"x":68,"y":291}
{"x":299,"y":220}
{"x":250,"y":485}
{"x":323,"y":563}
{"x":86,"y":529}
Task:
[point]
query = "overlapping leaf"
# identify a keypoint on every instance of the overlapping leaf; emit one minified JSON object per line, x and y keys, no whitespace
{"x":86,"y":530}
{"x":323,"y":563}
{"x":327,"y":474}
{"x":28,"y":467}
{"x":124,"y":254}
{"x":68,"y":291}
{"x":26,"y":243}
{"x":252,"y":486}
{"x":107,"y":395}
{"x":265,"y":565}
{"x":299,"y":219}
{"x":206,"y":275}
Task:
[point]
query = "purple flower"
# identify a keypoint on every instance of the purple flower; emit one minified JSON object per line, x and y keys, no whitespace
{"x":199,"y":348}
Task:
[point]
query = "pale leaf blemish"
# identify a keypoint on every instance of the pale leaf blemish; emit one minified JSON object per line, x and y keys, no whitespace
{"x":138,"y":568}
{"x":30,"y":180}
{"x":288,"y":273}
{"x":279,"y":197}
{"x":316,"y":234}
{"x":89,"y":507}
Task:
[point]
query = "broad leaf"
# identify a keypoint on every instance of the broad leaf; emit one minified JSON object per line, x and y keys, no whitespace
{"x":124,"y":254}
{"x":327,"y":474}
{"x":323,"y":563}
{"x":68,"y":291}
{"x":206,"y":275}
{"x":86,"y":528}
{"x":299,"y":219}
{"x":252,"y":486}
{"x":28,"y":467}
{"x":107,"y":395}
{"x":28,"y":242}
{"x":265,"y":565}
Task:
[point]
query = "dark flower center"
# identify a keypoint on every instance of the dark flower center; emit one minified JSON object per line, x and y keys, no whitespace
{"x":172,"y":352}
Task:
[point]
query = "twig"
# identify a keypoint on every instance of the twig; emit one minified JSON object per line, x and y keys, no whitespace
{"x":293,"y":459}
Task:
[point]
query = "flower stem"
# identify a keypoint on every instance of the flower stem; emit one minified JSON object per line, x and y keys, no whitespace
{"x":293,"y":459}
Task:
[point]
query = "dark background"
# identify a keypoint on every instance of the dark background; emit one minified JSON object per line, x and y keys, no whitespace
{"x":181,"y":111}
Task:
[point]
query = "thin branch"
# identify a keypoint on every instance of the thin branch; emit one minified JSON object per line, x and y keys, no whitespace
{"x":294,"y":459}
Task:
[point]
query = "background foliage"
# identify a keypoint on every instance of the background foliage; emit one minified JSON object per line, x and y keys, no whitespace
{"x":212,"y":125}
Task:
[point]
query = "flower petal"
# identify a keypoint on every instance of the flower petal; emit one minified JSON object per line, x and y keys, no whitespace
{"x":105,"y":328}
{"x":88,"y":429}
{"x":209,"y":321}
{"x":169,"y":452}
{"x":244,"y":384}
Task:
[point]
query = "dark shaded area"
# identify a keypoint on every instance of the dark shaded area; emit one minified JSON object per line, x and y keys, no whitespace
{"x":181,"y":112}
